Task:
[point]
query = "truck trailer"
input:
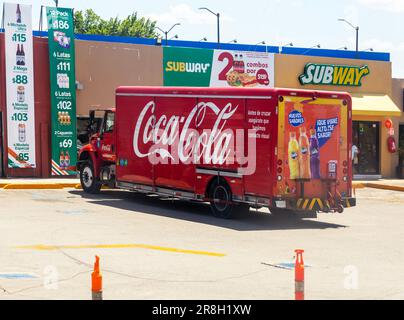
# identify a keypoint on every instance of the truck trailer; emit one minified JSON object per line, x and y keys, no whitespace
{"x":235,"y":148}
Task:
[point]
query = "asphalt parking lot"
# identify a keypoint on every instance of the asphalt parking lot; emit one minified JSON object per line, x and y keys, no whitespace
{"x":160,"y":249}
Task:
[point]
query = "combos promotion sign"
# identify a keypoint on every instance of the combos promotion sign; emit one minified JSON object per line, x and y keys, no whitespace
{"x":333,"y":75}
{"x":63,"y":90}
{"x":311,"y":143}
{"x":20,"y":85}
{"x":217,"y":68}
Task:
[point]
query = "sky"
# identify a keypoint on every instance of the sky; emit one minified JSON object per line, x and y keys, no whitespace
{"x":305,"y":23}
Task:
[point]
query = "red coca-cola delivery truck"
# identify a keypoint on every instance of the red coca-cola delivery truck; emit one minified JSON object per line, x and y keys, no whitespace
{"x":236,"y":148}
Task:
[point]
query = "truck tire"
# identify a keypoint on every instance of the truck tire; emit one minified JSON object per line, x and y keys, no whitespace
{"x":88,"y":180}
{"x":221,"y":201}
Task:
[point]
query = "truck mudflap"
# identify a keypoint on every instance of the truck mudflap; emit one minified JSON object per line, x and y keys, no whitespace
{"x":323,"y":205}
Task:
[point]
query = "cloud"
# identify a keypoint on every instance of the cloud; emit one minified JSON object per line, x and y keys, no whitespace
{"x":386,"y":5}
{"x":186,"y":14}
{"x":383,"y":46}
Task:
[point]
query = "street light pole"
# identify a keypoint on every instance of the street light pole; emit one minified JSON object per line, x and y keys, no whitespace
{"x":218,"y":28}
{"x":167,"y":32}
{"x":357,"y":32}
{"x":218,"y":22}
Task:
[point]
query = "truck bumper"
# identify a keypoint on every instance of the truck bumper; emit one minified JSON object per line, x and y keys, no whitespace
{"x":313,"y":204}
{"x":318,"y":204}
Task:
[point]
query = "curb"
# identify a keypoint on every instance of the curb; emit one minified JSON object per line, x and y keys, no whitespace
{"x":378,"y":186}
{"x":39,"y":186}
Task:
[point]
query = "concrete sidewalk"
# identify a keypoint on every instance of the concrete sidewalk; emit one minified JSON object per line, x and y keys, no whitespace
{"x":18,"y":183}
{"x":384,"y":184}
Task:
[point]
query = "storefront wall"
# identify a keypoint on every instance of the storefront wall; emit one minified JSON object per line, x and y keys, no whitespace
{"x":288,"y":68}
{"x":127,"y":65}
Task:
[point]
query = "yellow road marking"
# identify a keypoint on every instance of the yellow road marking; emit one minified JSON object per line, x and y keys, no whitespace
{"x":42,"y":247}
{"x":306,"y":202}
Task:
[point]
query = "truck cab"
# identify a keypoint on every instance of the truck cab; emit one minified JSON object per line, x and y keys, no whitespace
{"x":97,"y":159}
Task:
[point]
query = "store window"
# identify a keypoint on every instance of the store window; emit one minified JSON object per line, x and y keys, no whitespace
{"x":366,"y":137}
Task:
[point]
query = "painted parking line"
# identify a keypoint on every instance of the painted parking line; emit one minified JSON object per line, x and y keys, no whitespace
{"x":42,"y":247}
{"x":16,"y":276}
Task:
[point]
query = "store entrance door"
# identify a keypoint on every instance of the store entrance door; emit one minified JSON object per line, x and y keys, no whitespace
{"x":367,"y":138}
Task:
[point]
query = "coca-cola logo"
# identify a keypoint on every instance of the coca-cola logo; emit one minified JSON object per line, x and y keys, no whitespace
{"x":195,"y":142}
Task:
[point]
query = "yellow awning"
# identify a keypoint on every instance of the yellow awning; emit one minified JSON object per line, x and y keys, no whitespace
{"x":374,"y":105}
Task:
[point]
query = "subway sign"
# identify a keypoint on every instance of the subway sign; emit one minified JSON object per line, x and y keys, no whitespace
{"x":333,"y":75}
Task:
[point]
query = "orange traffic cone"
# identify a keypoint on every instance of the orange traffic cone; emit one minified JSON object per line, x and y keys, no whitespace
{"x":299,"y":275}
{"x":96,"y":280}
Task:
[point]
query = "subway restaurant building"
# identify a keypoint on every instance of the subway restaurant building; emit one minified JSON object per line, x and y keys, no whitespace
{"x":376,"y":98}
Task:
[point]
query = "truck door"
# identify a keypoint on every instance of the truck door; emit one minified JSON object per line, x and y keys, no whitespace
{"x":261,"y":119}
{"x":175,"y":119}
{"x":107,"y":138}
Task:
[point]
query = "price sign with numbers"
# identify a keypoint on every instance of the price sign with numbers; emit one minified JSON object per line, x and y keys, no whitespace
{"x":20,"y":86}
{"x":63,"y":90}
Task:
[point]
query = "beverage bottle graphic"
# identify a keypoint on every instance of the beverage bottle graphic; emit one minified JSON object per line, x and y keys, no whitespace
{"x":22,"y":62}
{"x":293,"y":156}
{"x":305,"y":171}
{"x":62,"y":159}
{"x":22,"y":134}
{"x":314,"y":155}
{"x":18,"y":14}
{"x":236,"y":63}
{"x":21,"y":94}
{"x":242,"y":65}
{"x":18,"y":55}
{"x":67,"y":160}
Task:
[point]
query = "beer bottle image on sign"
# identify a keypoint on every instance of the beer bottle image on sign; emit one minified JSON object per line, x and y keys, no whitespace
{"x":22,"y":63}
{"x":62,"y":159}
{"x":293,"y":157}
{"x":21,"y":133}
{"x":21,"y":94}
{"x":18,"y":13}
{"x":67,"y":159}
{"x":305,"y":172}
{"x":18,"y":55}
{"x":314,"y":155}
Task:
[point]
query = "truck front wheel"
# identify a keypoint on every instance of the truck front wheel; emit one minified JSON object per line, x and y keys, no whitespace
{"x":88,"y":179}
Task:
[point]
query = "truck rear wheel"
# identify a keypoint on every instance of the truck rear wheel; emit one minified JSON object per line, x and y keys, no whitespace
{"x":221,"y":201}
{"x":88,"y":179}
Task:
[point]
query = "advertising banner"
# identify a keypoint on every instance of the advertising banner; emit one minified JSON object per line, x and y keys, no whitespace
{"x":217,"y":68}
{"x":312,"y":141}
{"x":63,"y":90}
{"x":20,"y":85}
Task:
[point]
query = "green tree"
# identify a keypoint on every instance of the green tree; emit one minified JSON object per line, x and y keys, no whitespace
{"x":89,"y":22}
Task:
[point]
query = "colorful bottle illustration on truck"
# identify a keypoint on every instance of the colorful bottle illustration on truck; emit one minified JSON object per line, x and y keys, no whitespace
{"x":305,"y":170}
{"x":293,"y":156}
{"x":314,"y":155}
